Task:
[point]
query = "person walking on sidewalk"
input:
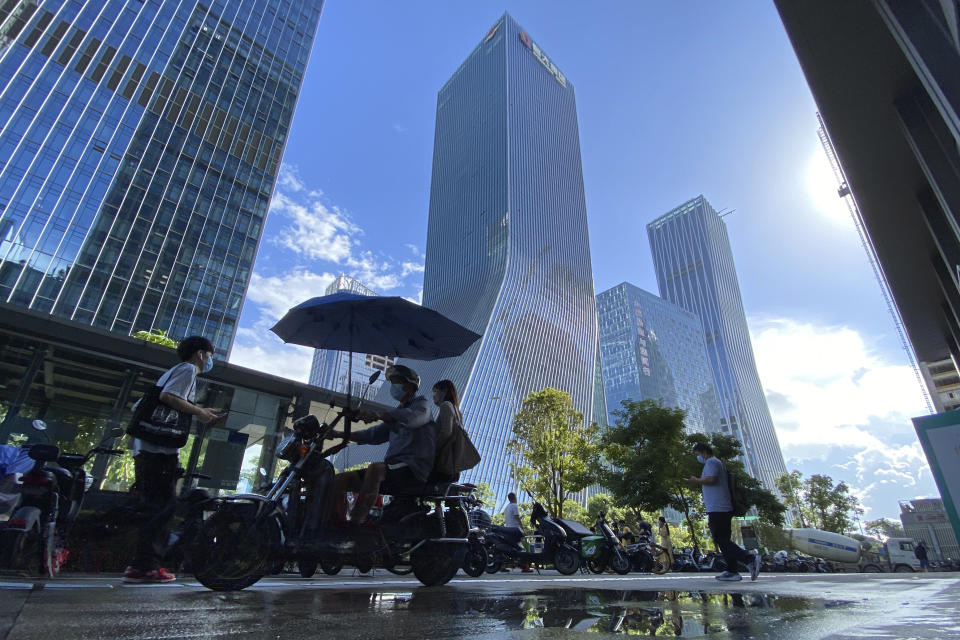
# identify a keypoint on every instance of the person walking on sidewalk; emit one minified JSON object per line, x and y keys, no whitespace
{"x":156,"y":466}
{"x":719,"y":508}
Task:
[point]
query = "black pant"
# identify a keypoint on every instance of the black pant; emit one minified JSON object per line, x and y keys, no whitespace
{"x":719,"y":523}
{"x":156,"y":475}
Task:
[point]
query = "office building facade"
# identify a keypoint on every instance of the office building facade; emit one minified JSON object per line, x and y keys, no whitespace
{"x":139,"y":146}
{"x":652,"y":349}
{"x":508,"y":254}
{"x":330,"y":368}
{"x":695,"y":270}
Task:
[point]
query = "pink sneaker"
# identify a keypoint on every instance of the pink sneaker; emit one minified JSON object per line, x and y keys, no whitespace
{"x":134,"y":575}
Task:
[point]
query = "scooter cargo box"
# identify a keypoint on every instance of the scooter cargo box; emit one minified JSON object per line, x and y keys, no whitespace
{"x":592,"y":546}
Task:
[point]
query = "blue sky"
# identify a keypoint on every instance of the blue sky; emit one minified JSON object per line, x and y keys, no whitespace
{"x":674,"y":99}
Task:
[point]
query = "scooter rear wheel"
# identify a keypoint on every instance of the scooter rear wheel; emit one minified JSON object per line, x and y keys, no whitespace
{"x":307,"y":568}
{"x":435,"y":563}
{"x":21,"y":551}
{"x":331,"y":567}
{"x":566,"y":561}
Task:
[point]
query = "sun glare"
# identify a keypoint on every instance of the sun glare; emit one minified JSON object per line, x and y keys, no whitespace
{"x":822,"y":190}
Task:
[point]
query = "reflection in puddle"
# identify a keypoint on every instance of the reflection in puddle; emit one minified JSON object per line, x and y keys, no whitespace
{"x":650,"y":613}
{"x":457,"y":614}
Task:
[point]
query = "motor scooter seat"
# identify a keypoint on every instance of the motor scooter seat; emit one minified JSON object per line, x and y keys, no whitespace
{"x":512,"y":535}
{"x":429,"y":489}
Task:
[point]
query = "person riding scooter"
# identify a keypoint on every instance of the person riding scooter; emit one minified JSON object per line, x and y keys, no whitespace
{"x":411,"y":434}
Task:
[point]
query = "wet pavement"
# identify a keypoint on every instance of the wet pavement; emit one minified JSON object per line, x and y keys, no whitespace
{"x":502,"y":606}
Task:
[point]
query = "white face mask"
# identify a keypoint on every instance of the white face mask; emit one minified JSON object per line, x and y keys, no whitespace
{"x":397,"y":392}
{"x":701,"y":459}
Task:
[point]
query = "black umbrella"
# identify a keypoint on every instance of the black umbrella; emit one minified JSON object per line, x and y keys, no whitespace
{"x":387,"y":326}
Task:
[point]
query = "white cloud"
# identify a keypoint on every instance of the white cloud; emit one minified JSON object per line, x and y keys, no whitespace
{"x":411,"y":267}
{"x":289,"y":178}
{"x":313,"y":231}
{"x":274,"y":295}
{"x":317,"y":232}
{"x":266,"y":353}
{"x":842,"y":409}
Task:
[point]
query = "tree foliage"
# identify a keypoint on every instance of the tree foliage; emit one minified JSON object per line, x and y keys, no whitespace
{"x":649,"y":456}
{"x":829,"y":506}
{"x":156,"y":336}
{"x":790,"y":486}
{"x":818,"y":502}
{"x":554,"y":451}
{"x":884,"y":528}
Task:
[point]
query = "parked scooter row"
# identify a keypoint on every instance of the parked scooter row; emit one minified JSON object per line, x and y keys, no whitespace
{"x":565,"y":545}
{"x":42,"y":493}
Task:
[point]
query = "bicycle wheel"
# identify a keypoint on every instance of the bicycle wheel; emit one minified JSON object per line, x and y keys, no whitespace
{"x":661,"y":562}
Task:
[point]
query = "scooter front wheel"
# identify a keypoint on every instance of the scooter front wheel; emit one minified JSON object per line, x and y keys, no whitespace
{"x":476,"y":561}
{"x":233,"y":549}
{"x":620,"y":563}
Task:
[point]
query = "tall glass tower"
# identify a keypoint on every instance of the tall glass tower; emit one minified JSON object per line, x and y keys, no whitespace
{"x":507,"y":249}
{"x":139,"y":146}
{"x":694,"y":265}
{"x":653,"y":350}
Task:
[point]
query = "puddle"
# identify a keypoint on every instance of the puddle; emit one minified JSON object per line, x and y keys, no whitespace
{"x":552,"y":613}
{"x":679,"y":614}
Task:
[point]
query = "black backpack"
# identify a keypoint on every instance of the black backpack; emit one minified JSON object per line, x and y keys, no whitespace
{"x":737,"y":501}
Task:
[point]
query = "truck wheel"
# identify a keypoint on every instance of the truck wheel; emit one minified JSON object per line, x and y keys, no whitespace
{"x":871,"y":568}
{"x":903,"y":568}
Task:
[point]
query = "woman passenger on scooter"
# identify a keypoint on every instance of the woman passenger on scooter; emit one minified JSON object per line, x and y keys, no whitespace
{"x":411,"y":434}
{"x":448,"y":417}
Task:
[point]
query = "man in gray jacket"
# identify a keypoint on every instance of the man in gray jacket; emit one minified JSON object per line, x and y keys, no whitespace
{"x":411,"y":433}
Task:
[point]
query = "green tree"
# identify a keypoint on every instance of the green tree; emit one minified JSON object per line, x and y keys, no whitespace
{"x":828,"y":504}
{"x":554,"y":451}
{"x":647,"y":460}
{"x":604,"y":502}
{"x":156,"y":336}
{"x":485,"y":495}
{"x":884,"y":528}
{"x":790,"y":486}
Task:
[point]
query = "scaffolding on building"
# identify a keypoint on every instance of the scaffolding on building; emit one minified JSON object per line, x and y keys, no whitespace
{"x":843,"y":190}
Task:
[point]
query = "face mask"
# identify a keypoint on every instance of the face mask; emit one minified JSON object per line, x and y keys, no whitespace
{"x":701,"y":459}
{"x":397,"y":392}
{"x":207,"y":365}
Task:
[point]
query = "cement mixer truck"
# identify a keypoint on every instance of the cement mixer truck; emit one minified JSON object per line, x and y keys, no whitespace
{"x":895,"y":555}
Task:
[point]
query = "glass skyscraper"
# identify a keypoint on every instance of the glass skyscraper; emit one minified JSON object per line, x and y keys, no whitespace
{"x":139,"y":145}
{"x":694,"y":265}
{"x":652,"y":349}
{"x":508,"y":254}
